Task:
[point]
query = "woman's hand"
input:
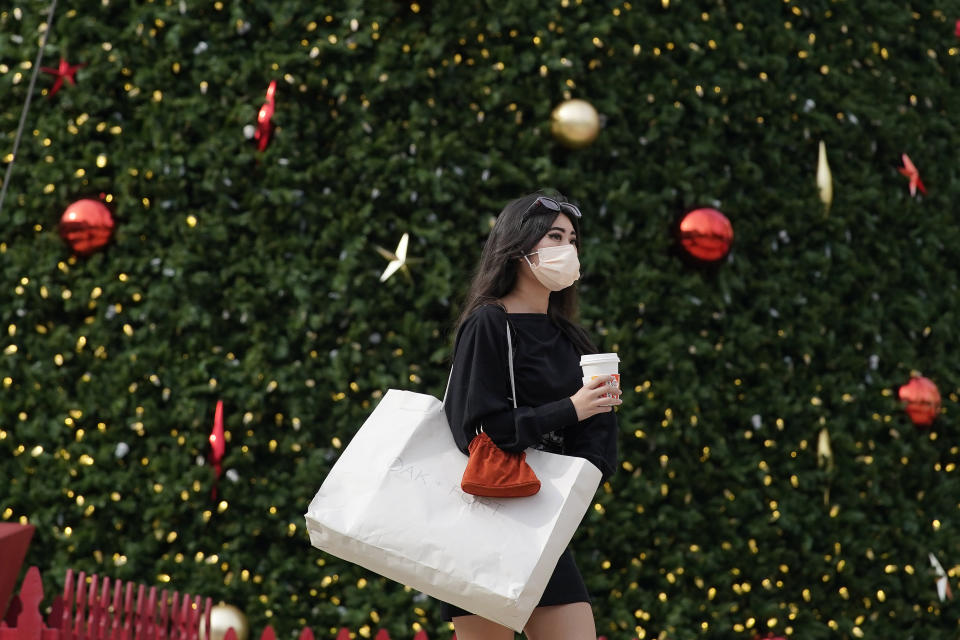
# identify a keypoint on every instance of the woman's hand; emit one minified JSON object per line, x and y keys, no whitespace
{"x":590,"y":399}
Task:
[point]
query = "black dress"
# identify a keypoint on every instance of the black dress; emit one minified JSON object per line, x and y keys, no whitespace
{"x":547,"y":372}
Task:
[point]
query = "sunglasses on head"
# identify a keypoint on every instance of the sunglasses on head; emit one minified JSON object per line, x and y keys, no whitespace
{"x":552,"y":205}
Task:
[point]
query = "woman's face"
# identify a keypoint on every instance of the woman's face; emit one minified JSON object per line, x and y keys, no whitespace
{"x":560,"y":232}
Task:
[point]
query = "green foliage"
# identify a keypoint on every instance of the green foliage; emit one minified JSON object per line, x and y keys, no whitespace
{"x":393,"y":117}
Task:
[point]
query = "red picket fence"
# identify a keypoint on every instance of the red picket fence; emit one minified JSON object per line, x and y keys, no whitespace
{"x":100,"y":616}
{"x":101,"y":609}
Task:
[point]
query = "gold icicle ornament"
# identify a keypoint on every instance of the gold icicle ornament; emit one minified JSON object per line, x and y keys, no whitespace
{"x":825,"y":459}
{"x":824,"y":452}
{"x":943,"y":581}
{"x":824,"y":177}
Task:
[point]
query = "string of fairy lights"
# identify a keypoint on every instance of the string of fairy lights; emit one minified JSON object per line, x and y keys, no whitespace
{"x":318,"y":36}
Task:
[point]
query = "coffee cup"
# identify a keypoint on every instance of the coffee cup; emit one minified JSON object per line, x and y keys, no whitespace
{"x":595,"y":365}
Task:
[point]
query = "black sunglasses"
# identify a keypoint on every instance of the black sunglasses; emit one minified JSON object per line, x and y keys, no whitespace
{"x":552,"y":205}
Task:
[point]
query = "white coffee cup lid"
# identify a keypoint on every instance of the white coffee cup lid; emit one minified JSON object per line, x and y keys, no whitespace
{"x":598,"y":358}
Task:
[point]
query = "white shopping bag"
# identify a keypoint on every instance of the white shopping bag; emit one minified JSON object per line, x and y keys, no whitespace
{"x":392,"y":503}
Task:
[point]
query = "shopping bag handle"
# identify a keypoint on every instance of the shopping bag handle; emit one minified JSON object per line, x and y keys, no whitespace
{"x":513,"y":385}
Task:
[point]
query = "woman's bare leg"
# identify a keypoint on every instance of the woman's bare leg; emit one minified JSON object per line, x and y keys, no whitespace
{"x":572,"y":621}
{"x":477,"y":628}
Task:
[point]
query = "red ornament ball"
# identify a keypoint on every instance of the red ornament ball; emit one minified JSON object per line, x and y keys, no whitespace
{"x":706,"y":234}
{"x":921,"y":400}
{"x":86,"y":225}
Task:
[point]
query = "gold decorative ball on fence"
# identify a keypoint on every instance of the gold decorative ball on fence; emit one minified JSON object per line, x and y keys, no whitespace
{"x":575,"y":123}
{"x":224,"y":617}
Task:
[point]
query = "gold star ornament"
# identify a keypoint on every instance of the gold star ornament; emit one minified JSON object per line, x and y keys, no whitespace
{"x":398,"y":258}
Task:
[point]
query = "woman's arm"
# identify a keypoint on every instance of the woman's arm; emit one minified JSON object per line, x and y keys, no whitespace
{"x":479,"y":393}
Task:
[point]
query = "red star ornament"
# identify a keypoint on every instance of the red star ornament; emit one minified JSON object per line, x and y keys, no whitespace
{"x":217,"y":445}
{"x":262,"y":135}
{"x":64,"y":70}
{"x":911,"y":172}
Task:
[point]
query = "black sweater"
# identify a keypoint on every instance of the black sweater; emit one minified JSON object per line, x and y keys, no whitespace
{"x":547,"y":371}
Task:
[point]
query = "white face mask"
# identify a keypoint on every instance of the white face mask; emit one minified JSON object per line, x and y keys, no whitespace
{"x":558,"y":267}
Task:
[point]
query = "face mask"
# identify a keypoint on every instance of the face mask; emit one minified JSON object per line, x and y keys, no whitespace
{"x":558,"y":267}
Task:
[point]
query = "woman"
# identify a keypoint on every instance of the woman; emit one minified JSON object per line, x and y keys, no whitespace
{"x":525,"y":279}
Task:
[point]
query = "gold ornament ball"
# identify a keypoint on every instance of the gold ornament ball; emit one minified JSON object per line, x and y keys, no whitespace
{"x":575,"y":123}
{"x":224,"y":617}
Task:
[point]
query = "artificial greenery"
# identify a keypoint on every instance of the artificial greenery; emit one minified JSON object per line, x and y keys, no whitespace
{"x":253,"y":277}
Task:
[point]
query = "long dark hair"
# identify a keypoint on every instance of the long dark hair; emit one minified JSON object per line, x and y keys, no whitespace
{"x":512,"y":237}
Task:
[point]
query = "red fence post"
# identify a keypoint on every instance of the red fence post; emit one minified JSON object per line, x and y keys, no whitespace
{"x":116,"y":623}
{"x":306,"y":634}
{"x":207,"y":606}
{"x":29,"y":622}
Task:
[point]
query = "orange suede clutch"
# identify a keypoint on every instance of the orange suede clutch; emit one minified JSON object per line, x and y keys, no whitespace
{"x":494,"y":473}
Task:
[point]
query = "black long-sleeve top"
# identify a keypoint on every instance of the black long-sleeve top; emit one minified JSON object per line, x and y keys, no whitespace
{"x":547,"y":372}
